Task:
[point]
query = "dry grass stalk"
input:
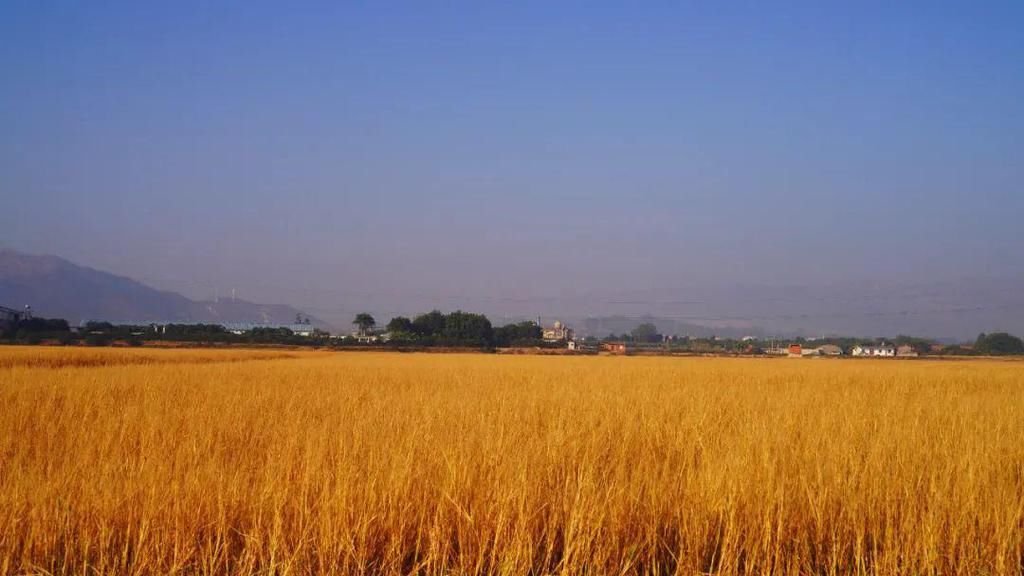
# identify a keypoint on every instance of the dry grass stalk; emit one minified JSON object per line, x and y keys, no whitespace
{"x":475,"y":464}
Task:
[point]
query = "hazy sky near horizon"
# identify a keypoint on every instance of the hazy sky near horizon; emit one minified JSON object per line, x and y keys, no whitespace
{"x":390,"y":156}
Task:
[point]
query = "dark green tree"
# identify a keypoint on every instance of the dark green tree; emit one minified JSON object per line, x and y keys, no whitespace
{"x":467,"y":328}
{"x":41,"y":327}
{"x":430,"y":324}
{"x":98,"y":326}
{"x":400,"y":325}
{"x":998,"y":344}
{"x":521,"y":333}
{"x":646,"y":332}
{"x":364,"y":322}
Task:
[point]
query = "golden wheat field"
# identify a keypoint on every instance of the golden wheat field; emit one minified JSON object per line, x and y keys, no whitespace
{"x":237,"y":462}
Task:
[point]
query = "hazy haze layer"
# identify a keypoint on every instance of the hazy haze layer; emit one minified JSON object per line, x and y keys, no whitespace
{"x":531,"y":159}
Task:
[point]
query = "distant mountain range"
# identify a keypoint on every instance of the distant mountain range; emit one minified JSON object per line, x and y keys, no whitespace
{"x":57,"y":288}
{"x":955,"y":309}
{"x":605,"y":325}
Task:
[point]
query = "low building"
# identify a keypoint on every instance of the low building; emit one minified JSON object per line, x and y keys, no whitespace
{"x":830,"y":350}
{"x":906,"y":351}
{"x":614,"y":347}
{"x":795,"y":351}
{"x":243,"y":327}
{"x":582,"y":346}
{"x":882,"y":350}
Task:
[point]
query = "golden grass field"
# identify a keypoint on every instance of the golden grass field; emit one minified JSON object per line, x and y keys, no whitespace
{"x":239,"y":462}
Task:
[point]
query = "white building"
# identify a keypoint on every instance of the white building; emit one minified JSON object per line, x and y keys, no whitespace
{"x":243,"y":327}
{"x":883,"y":350}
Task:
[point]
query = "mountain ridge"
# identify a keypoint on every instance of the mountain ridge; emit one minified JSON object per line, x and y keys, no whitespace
{"x":56,"y":287}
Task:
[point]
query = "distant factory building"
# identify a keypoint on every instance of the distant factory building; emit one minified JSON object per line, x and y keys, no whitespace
{"x":10,"y":316}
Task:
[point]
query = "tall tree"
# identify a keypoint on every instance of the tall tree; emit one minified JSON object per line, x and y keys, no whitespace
{"x":364,"y":322}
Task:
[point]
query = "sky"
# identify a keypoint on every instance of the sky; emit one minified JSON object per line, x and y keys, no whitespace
{"x":524,"y":159}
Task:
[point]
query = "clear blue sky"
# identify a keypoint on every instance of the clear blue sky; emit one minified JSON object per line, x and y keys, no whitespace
{"x":389,"y":156}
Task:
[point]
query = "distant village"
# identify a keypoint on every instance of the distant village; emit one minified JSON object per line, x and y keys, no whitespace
{"x":462,"y":330}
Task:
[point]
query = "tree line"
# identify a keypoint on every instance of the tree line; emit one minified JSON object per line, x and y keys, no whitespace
{"x":457,"y":329}
{"x":57,"y":331}
{"x":434,"y":328}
